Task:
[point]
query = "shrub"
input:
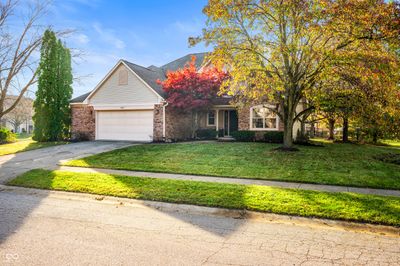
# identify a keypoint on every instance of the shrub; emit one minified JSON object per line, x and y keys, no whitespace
{"x":80,"y":136}
{"x":243,"y":135}
{"x":6,"y":136}
{"x":220,"y":133}
{"x":273,"y":136}
{"x":206,"y":133}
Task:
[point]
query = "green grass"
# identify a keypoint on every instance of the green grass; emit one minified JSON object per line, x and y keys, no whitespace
{"x":341,"y":206}
{"x":23,"y":136}
{"x":394,"y":143}
{"x":25,"y":144}
{"x":335,"y":164}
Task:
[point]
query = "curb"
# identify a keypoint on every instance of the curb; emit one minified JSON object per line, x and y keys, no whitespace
{"x":213,"y":211}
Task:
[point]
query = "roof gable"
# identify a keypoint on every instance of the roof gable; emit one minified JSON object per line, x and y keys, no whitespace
{"x":148,"y":75}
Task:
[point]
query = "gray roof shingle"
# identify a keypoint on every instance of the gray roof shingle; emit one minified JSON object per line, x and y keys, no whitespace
{"x":80,"y":98}
{"x":181,"y":62}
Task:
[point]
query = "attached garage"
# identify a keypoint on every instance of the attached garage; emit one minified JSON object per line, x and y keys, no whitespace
{"x":135,"y":125}
{"x":121,"y":107}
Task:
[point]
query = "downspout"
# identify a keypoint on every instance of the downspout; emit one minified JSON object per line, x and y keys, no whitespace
{"x":163,"y":131}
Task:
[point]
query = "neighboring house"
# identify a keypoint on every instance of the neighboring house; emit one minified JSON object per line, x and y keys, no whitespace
{"x":19,"y":119}
{"x":129,"y":104}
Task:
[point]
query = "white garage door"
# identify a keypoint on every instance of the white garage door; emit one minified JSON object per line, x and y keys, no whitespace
{"x":125,"y":125}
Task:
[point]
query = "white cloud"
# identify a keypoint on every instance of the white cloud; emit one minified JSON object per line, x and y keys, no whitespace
{"x":80,"y":38}
{"x":108,"y":36}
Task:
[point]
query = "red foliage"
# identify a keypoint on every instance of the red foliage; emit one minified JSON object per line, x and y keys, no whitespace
{"x":188,"y":89}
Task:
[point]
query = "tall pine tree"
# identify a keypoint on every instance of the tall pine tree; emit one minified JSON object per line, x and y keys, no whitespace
{"x":52,"y":114}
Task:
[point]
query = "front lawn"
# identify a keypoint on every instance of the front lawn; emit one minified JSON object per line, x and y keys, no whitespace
{"x":25,"y":144}
{"x":335,"y":164}
{"x":342,"y":206}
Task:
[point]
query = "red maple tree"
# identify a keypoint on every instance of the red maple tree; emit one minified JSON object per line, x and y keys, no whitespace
{"x":191,"y":90}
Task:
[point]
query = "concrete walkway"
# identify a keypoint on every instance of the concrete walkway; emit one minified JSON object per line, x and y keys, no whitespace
{"x":328,"y":188}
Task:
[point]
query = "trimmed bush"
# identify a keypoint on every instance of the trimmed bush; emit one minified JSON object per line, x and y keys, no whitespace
{"x":6,"y":136}
{"x":206,"y":133}
{"x":80,"y":136}
{"x":244,"y":135}
{"x":273,"y":137}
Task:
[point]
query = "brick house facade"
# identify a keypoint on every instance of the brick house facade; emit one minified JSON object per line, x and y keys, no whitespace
{"x":128,"y":104}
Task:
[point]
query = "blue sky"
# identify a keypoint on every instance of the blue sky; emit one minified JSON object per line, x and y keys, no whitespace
{"x":145,"y":32}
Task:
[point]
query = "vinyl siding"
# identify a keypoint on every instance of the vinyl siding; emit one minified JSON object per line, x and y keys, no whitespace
{"x":135,"y":92}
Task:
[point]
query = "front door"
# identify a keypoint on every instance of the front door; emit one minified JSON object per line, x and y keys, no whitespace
{"x":230,"y":122}
{"x":233,"y":121}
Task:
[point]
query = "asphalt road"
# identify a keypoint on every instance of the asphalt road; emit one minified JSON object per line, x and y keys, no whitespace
{"x":55,"y":228}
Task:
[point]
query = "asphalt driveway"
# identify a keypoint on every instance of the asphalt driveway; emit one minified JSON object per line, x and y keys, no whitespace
{"x":13,"y":165}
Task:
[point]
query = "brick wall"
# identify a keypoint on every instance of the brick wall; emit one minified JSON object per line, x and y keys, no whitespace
{"x":158,"y":123}
{"x":244,"y":118}
{"x":178,"y":124}
{"x":83,"y":122}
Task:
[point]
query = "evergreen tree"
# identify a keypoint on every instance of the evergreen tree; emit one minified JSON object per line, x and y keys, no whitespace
{"x":52,"y":113}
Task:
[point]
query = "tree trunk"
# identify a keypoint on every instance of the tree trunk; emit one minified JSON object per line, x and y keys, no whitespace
{"x":303,"y":129}
{"x":375,"y":136}
{"x":288,"y":134}
{"x":331,"y":122}
{"x":288,"y":115}
{"x":312,"y":130}
{"x":345,"y":129}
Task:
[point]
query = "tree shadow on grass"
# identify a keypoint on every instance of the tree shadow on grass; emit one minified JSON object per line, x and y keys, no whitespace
{"x":305,"y":203}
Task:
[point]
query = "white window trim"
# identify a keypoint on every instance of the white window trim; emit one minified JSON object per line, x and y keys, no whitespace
{"x":215,"y":114}
{"x":263,"y":129}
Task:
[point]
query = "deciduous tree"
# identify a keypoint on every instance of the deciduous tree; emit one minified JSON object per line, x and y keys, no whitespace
{"x":19,"y":39}
{"x":21,"y":114}
{"x":277,"y":49}
{"x":190,"y":90}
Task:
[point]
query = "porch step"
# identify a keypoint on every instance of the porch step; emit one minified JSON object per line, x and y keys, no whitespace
{"x":226,"y":139}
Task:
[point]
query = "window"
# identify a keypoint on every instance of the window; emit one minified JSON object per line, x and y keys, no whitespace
{"x":123,"y":77}
{"x":211,"y":118}
{"x":262,"y":118}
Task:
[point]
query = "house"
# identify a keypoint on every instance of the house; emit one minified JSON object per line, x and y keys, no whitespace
{"x":129,"y":104}
{"x":19,"y":119}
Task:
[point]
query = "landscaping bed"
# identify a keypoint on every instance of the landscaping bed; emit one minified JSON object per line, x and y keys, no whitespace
{"x":333,"y":164}
{"x":307,"y":203}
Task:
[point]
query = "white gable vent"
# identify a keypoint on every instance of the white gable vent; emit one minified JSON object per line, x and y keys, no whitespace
{"x":123,"y":77}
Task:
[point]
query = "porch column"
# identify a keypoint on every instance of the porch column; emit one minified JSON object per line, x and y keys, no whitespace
{"x":216,"y":125}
